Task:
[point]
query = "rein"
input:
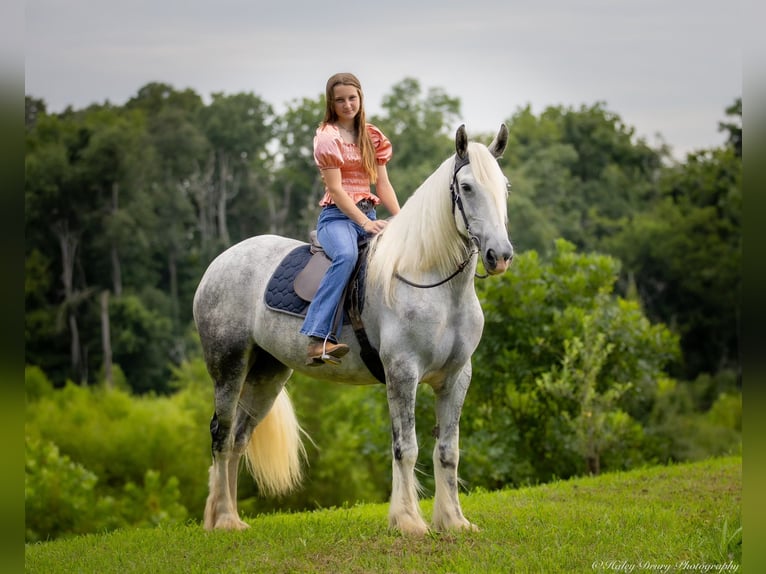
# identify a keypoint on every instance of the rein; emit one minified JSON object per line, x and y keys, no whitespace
{"x":457,"y":201}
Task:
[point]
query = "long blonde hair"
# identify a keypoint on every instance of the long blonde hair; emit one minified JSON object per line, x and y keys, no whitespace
{"x":360,"y":122}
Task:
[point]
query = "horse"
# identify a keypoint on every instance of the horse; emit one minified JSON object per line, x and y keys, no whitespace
{"x":421,"y":313}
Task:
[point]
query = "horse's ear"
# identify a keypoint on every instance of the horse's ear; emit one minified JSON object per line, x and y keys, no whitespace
{"x":497,"y":147}
{"x":461,"y":142}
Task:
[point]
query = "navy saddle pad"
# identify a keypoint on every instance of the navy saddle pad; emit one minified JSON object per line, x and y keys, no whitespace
{"x":280,"y":293}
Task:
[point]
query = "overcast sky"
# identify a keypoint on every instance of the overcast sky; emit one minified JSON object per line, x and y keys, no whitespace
{"x":667,"y":67}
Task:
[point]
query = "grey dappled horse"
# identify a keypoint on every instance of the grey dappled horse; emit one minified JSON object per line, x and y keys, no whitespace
{"x":425,"y":329}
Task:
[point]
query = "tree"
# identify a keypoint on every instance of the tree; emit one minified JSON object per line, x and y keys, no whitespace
{"x":516,"y":429}
{"x":181,"y":150}
{"x":734,"y":127}
{"x":685,"y":255}
{"x":418,"y":126}
{"x":582,"y":169}
{"x":597,"y":420}
{"x":118,"y":166}
{"x":297,"y":188}
{"x":56,"y":217}
{"x":238,"y":128}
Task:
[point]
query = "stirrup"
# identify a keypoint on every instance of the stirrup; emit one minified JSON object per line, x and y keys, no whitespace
{"x":322,"y":360}
{"x":332,"y":358}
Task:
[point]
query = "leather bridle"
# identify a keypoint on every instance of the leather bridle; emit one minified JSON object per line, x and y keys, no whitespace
{"x":457,"y":202}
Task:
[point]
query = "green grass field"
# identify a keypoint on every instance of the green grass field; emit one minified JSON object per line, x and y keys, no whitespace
{"x":683,"y":518}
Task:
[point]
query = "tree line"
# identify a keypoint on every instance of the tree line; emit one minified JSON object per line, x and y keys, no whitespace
{"x":126,"y":205}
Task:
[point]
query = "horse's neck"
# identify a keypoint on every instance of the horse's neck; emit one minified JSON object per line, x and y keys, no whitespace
{"x":464,"y":281}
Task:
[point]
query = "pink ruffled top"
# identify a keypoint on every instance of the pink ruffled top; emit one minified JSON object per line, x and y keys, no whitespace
{"x":330,"y":151}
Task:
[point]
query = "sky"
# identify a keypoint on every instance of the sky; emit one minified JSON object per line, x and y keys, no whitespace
{"x":668,"y":68}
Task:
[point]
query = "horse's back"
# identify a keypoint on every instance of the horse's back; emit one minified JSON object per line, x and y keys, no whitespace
{"x":234,"y":283}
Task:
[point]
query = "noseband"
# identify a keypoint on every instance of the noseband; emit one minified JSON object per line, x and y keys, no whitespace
{"x":457,"y":201}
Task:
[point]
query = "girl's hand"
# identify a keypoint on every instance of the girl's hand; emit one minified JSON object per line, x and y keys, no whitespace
{"x":374,"y":227}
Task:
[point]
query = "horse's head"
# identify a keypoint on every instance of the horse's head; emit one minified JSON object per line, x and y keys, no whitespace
{"x":479,"y":194}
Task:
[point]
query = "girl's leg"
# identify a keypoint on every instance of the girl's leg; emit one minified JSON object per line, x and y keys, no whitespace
{"x":338,"y":236}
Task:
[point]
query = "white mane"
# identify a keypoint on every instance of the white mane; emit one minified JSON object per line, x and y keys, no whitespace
{"x":423,"y":237}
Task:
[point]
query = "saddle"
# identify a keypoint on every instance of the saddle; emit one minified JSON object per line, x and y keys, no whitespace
{"x":296,"y":280}
{"x":307,"y":281}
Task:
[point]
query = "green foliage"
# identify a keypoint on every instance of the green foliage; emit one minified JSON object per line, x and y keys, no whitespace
{"x":417,"y":124}
{"x":348,"y":452}
{"x":141,"y":342}
{"x":684,"y":253}
{"x":597,"y":423}
{"x":293,"y":200}
{"x":61,"y":498}
{"x":579,"y":170}
{"x":36,"y":384}
{"x":678,"y":429}
{"x":558,"y":345}
{"x":59,"y":495}
{"x":119,"y":437}
{"x":154,"y":503}
{"x":141,"y":197}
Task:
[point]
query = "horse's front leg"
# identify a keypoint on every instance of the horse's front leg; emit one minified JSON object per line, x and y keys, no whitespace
{"x":404,"y":513}
{"x":449,"y":403}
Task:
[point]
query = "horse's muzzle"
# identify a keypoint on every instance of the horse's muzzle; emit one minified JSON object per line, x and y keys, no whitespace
{"x":498,"y":263}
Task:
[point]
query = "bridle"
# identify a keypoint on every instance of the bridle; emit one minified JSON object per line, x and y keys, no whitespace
{"x":457,"y":202}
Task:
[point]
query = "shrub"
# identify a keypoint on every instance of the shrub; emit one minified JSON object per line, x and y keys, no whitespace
{"x":36,"y":383}
{"x":120,"y":437}
{"x":60,"y":497}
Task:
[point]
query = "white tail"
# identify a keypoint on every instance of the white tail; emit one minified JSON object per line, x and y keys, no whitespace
{"x":275,"y":450}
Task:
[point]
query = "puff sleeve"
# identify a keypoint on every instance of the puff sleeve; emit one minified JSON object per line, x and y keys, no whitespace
{"x":327,"y":151}
{"x":383,"y":148}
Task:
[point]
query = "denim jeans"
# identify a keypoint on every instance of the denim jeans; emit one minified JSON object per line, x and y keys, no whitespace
{"x":338,"y":236}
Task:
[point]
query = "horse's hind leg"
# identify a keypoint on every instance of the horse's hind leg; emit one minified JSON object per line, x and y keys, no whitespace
{"x":277,"y":456}
{"x":228,"y":370}
{"x":449,"y":403}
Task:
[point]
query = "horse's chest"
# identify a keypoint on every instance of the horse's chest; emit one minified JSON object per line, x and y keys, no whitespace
{"x":451,"y":332}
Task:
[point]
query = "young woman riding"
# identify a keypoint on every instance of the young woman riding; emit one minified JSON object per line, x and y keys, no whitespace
{"x":351,"y":155}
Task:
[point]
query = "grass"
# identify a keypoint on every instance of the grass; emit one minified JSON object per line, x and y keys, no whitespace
{"x":682,"y":516}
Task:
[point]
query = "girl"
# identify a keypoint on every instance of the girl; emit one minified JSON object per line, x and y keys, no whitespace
{"x":351,"y":154}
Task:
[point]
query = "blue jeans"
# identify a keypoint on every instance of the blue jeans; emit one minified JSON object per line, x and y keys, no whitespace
{"x":339,"y":237}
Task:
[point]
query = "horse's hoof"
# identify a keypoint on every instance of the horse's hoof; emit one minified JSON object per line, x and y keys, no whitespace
{"x":410,"y":527}
{"x":463,"y":525}
{"x":231,"y":524}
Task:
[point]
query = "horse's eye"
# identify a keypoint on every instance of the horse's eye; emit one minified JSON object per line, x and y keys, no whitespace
{"x":466,"y":187}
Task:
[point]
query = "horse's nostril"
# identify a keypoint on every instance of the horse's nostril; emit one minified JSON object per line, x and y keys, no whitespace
{"x":491,"y":258}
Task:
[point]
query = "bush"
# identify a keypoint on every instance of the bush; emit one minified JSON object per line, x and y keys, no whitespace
{"x":61,"y":498}
{"x":678,"y":431}
{"x":534,"y":316}
{"x":120,"y":437}
{"x":36,"y":384}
